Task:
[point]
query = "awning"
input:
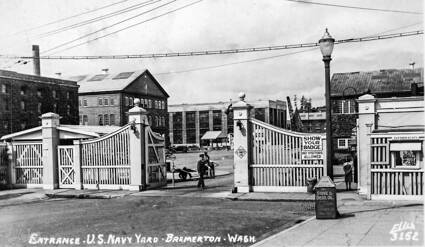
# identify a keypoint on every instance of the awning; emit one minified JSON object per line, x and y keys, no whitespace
{"x":405,"y":146}
{"x":212,"y":135}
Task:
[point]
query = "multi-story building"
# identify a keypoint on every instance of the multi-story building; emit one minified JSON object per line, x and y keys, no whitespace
{"x":346,"y":88}
{"x":189,"y":122}
{"x":313,"y":122}
{"x":104,"y":99}
{"x":24,"y":98}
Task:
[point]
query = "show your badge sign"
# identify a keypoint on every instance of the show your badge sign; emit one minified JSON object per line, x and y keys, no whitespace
{"x":312,"y":148}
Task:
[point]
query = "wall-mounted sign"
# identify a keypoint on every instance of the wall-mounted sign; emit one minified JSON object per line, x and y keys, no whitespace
{"x":312,"y":148}
{"x":406,"y":137}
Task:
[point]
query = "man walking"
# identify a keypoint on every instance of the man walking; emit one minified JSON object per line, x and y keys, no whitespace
{"x":201,"y":170}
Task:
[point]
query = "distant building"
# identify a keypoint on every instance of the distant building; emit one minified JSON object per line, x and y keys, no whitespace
{"x":104,"y":99}
{"x":347,"y":87}
{"x":24,"y":98}
{"x":189,"y":122}
{"x":313,"y":122}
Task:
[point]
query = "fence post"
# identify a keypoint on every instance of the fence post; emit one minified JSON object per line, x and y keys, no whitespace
{"x":77,"y":165}
{"x":12,"y":164}
{"x":366,"y":122}
{"x":325,"y":171}
{"x":241,"y":139}
{"x":137,"y":117}
{"x":50,"y":135}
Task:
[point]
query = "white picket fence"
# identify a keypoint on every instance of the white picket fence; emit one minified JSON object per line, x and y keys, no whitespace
{"x":277,"y":163}
{"x":28,"y":163}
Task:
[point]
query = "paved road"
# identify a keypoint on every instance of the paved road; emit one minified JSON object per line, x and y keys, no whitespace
{"x":149,"y":217}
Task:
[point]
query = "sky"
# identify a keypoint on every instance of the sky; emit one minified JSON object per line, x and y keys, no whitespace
{"x":214,"y":25}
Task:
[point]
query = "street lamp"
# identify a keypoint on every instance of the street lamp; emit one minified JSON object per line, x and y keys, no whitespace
{"x":326,"y":47}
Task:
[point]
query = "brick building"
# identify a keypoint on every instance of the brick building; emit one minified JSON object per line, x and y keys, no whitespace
{"x":346,"y":88}
{"x":189,"y":122}
{"x":104,"y":99}
{"x":24,"y":98}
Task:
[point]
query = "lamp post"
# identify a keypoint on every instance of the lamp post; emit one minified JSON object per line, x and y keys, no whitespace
{"x":326,"y":46}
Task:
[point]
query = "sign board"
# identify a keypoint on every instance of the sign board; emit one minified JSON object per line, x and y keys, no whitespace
{"x":312,"y":148}
{"x":326,"y":199}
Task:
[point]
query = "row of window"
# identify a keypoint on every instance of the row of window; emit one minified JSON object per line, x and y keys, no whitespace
{"x":24,"y":91}
{"x":109,"y":119}
{"x":106,"y":119}
{"x":24,"y":107}
{"x":145,"y":103}
{"x":345,"y":106}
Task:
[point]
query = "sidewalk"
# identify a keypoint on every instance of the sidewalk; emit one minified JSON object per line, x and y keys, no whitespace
{"x":363,"y":223}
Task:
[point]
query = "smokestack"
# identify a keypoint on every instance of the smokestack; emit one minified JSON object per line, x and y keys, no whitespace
{"x":36,"y":59}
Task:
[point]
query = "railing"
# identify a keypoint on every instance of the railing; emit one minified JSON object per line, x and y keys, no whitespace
{"x":277,"y":158}
{"x":4,"y":170}
{"x":105,"y":160}
{"x":397,"y":182}
{"x":284,"y":175}
{"x":29,"y":163}
{"x":379,"y":153}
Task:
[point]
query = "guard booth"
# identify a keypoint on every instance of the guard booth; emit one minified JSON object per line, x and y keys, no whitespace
{"x":85,"y":157}
{"x":390,"y":142}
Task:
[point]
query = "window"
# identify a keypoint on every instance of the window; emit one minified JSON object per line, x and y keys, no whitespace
{"x":80,"y":118}
{"x":111,"y":101}
{"x":23,"y":90}
{"x":68,"y":95}
{"x":150,"y":120}
{"x":54,"y":95}
{"x":23,"y":126}
{"x":126,"y":101}
{"x":343,"y":143}
{"x":346,"y":106}
{"x":3,"y":88}
{"x":99,"y":101}
{"x":131,"y":101}
{"x":105,"y":101}
{"x":79,"y":102}
{"x":84,"y":102}
{"x":112,"y":119}
{"x":106,"y":119}
{"x":39,"y":107}
{"x":85,"y":120}
{"x":68,"y":110}
{"x":100,"y":118}
{"x":149,"y":103}
{"x":23,"y":105}
{"x":406,"y":155}
{"x":55,"y":108}
{"x":39,"y":93}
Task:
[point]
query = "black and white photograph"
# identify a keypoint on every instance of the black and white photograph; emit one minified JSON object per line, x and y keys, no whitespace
{"x":185,"y":123}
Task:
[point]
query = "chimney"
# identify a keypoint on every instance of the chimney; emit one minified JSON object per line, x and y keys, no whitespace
{"x":36,"y":59}
{"x":414,"y":88}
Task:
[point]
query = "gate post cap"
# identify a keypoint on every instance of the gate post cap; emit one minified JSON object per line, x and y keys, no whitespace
{"x":325,"y":182}
{"x":241,"y":96}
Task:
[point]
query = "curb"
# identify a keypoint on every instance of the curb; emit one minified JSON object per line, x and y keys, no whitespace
{"x":81,"y":196}
{"x":264,"y":241}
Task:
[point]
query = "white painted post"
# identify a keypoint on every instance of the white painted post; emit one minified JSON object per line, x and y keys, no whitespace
{"x":366,"y":122}
{"x":11,"y":153}
{"x":77,"y":165}
{"x":241,"y":139}
{"x":50,"y":135}
{"x":138,"y":144}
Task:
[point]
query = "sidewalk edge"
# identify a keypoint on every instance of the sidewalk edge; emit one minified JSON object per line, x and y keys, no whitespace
{"x":282,"y":232}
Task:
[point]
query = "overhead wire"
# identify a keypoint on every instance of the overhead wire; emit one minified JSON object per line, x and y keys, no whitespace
{"x":98,"y":18}
{"x":357,"y":7}
{"x":73,"y":16}
{"x":225,"y":51}
{"x":107,"y":27}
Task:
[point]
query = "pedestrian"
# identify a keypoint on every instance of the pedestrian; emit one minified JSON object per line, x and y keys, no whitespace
{"x":348,"y":171}
{"x":210,"y":165}
{"x":201,"y":167}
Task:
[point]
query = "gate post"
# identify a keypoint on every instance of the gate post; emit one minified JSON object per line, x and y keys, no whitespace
{"x":137,"y":117}
{"x":50,"y":135}
{"x":241,"y":139}
{"x":77,"y":165}
{"x":11,"y":164}
{"x":366,"y":123}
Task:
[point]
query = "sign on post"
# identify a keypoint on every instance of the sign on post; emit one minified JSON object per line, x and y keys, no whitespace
{"x":312,"y":148}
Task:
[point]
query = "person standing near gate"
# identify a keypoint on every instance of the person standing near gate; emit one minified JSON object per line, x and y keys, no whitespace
{"x":201,"y":167}
{"x":348,"y":171}
{"x":210,"y":165}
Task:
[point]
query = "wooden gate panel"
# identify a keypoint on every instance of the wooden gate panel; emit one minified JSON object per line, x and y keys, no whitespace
{"x":29,"y":163}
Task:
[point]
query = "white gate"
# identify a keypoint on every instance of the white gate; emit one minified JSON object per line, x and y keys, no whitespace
{"x":280,"y":161}
{"x":156,"y":168}
{"x":66,"y":166}
{"x":28,"y":163}
{"x":4,"y":163}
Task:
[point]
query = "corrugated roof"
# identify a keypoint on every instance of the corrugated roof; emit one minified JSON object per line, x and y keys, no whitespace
{"x":382,"y":81}
{"x":105,"y":82}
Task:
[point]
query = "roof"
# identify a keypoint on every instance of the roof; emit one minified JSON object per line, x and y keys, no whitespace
{"x":212,"y":135}
{"x":382,"y":81}
{"x":111,"y":82}
{"x":36,"y":78}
